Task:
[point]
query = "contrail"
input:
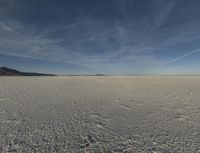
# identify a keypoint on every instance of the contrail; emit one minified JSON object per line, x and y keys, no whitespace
{"x":181,"y":57}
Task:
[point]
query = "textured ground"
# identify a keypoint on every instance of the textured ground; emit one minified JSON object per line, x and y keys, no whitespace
{"x":100,"y":114}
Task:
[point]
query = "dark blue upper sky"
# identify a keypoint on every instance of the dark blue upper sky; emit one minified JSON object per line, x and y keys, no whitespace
{"x":101,"y":36}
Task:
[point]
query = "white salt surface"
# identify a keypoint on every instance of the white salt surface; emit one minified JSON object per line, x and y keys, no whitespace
{"x":100,"y":114}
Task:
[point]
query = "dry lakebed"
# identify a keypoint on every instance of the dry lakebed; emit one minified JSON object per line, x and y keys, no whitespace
{"x":100,"y":114}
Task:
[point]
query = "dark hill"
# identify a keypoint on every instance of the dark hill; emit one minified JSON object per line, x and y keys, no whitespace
{"x":4,"y":71}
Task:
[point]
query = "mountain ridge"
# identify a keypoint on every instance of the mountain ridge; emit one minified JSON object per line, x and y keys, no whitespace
{"x":5,"y":71}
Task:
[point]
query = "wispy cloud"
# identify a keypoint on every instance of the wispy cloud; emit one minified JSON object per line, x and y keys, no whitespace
{"x":96,"y":44}
{"x":4,"y":26}
{"x":128,"y":35}
{"x":162,"y":9}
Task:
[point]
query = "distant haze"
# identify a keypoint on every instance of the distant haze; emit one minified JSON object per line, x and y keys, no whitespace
{"x":119,"y":37}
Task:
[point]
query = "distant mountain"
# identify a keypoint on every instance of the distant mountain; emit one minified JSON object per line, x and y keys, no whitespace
{"x":4,"y":71}
{"x":86,"y":75}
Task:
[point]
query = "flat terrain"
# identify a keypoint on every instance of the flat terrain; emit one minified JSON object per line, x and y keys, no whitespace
{"x":100,"y":114}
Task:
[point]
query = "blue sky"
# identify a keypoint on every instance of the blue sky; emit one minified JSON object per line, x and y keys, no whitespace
{"x":120,"y":37}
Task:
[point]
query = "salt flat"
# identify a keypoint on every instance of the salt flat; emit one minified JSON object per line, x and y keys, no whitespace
{"x":100,"y":114}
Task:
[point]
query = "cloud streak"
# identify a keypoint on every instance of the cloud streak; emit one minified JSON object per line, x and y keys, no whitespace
{"x":181,"y":57}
